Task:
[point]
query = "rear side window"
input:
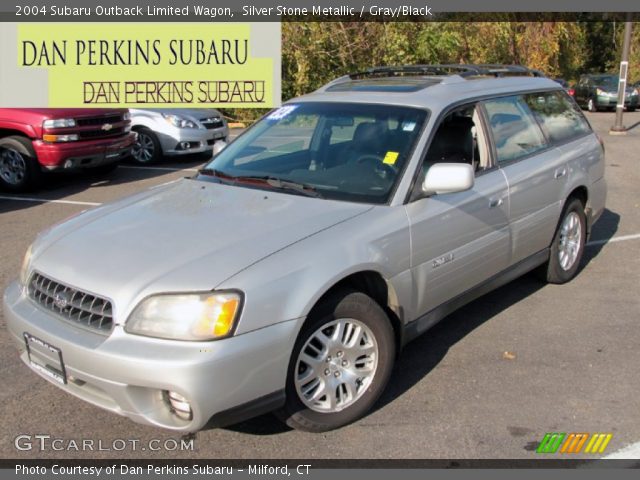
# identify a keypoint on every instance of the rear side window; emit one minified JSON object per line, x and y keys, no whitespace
{"x":516,"y":132}
{"x":560,"y":118}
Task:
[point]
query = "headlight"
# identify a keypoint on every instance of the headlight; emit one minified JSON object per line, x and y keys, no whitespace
{"x":634,"y":92}
{"x":59,"y":123}
{"x":186,"y":316}
{"x":599,"y":91}
{"x":179,"y":121}
{"x":126,"y":116}
{"x":24,"y":270}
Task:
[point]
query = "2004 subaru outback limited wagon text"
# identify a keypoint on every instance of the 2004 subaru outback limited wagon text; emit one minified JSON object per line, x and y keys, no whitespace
{"x":287,"y":274}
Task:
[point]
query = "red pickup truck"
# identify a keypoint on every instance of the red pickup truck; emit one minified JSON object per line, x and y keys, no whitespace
{"x":37,"y":140}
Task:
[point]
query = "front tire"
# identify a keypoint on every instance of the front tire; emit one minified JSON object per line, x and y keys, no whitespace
{"x":591,"y":105}
{"x":568,"y":243}
{"x":147,"y":149}
{"x":19,"y":167}
{"x":340,"y":365}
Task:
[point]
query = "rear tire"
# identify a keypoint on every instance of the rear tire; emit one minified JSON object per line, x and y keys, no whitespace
{"x":147,"y":149}
{"x":568,"y":243}
{"x":19,"y":167}
{"x":340,"y":365}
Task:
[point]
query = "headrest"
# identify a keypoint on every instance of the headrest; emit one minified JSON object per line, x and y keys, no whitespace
{"x":370,"y":133}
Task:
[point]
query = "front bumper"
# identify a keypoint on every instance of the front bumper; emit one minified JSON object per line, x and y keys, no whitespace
{"x":200,"y":140}
{"x":606,"y":101}
{"x":127,"y":374}
{"x":83,"y":154}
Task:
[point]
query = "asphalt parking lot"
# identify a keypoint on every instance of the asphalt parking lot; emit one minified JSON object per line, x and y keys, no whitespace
{"x":572,"y":364}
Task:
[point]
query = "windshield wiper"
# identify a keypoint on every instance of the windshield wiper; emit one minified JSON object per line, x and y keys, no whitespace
{"x":281,"y":184}
{"x":271,"y":181}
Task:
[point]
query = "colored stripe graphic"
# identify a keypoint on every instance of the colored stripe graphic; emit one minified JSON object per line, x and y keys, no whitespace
{"x":598,"y":443}
{"x":574,"y":442}
{"x":550,"y":443}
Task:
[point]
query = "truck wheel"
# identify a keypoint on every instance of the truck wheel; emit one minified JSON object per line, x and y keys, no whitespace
{"x":19,"y":167}
{"x":147,"y":149}
{"x":568,"y":244}
{"x":341,"y":363}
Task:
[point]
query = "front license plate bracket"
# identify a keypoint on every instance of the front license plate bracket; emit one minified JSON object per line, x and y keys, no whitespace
{"x":45,"y":358}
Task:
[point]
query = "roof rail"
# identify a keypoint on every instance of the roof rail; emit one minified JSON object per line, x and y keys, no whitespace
{"x":463,"y":70}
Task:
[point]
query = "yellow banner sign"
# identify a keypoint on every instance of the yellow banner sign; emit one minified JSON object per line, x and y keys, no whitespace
{"x":150,"y":64}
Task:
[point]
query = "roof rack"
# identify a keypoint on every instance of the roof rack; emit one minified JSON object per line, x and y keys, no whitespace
{"x":463,"y":70}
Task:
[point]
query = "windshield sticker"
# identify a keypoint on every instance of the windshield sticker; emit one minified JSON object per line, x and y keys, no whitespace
{"x":408,"y":126}
{"x":390,"y":158}
{"x":282,"y":112}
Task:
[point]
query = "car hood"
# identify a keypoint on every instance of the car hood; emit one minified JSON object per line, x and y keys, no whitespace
{"x":190,"y":113}
{"x":183,"y":236}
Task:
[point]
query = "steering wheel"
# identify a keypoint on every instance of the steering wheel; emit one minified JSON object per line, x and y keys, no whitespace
{"x":381,"y":167}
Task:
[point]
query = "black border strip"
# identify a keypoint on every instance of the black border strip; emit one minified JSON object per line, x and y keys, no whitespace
{"x":542,"y":463}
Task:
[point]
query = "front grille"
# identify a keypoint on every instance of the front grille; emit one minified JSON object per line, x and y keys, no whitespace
{"x":71,"y":304}
{"x":114,"y":132}
{"x":90,"y":122}
{"x":211,"y":123}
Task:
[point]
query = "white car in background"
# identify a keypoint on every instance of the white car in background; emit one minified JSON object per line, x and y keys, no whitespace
{"x":176,"y":131}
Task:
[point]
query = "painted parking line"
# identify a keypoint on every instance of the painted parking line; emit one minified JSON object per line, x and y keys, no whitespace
{"x":47,"y":200}
{"x":621,"y":238}
{"x":629,"y":452}
{"x":166,"y":169}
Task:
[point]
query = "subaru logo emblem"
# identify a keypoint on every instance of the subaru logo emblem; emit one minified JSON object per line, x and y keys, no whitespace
{"x":61,"y":300}
{"x":106,"y":127}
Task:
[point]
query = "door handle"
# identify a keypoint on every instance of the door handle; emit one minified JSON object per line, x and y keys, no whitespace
{"x":495,"y":202}
{"x":560,"y":172}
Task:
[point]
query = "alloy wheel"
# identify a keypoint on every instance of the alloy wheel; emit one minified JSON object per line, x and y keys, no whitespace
{"x":570,"y":241}
{"x":144,"y":149}
{"x":336,"y":365}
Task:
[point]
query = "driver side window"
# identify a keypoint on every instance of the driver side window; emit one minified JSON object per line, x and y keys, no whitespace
{"x":458,"y":139}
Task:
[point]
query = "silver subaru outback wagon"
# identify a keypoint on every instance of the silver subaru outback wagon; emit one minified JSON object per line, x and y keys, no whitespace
{"x":289,"y":272}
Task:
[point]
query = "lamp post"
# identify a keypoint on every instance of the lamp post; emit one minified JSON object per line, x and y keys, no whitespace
{"x":618,"y":127}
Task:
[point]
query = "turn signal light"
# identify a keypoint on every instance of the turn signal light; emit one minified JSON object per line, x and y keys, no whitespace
{"x":60,"y":138}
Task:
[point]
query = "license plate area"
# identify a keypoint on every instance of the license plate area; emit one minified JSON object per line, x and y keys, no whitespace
{"x":45,"y":358}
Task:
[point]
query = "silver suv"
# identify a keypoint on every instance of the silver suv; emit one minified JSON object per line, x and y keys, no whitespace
{"x":288,"y":273}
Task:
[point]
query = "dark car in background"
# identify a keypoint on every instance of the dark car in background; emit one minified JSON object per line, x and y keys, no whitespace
{"x":600,"y":92}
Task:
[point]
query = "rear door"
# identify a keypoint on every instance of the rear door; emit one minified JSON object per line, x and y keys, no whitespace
{"x":534,"y":169}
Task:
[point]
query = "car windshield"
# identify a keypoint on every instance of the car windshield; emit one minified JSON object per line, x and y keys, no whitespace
{"x":339,"y":151}
{"x":608,"y":81}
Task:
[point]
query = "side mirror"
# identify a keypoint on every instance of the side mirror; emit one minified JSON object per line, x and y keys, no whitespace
{"x":218,"y":147}
{"x":448,"y":178}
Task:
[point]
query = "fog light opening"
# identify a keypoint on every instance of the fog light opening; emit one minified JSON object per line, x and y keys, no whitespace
{"x":185,"y":145}
{"x":68,"y":164}
{"x":179,"y":405}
